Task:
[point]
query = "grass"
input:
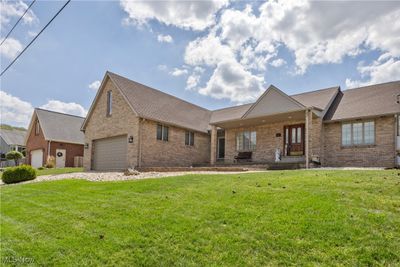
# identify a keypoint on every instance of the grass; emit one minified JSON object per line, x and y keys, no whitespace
{"x":58,"y":171}
{"x":275,"y":218}
{"x":54,"y":171}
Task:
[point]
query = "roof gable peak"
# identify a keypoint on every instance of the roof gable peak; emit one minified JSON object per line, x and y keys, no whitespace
{"x":272,"y":101}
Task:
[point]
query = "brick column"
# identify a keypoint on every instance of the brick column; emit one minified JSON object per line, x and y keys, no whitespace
{"x":213,"y":157}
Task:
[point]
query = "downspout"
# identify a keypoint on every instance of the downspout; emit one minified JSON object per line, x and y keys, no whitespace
{"x":140,"y":143}
{"x":48,"y":150}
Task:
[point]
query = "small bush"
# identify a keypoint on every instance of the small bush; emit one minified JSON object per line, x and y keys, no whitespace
{"x":51,"y":162}
{"x":15,"y":156}
{"x":40,"y":168}
{"x":18,"y":174}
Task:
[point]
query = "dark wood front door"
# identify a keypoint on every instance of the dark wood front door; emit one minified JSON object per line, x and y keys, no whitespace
{"x":294,"y":140}
{"x":221,"y":148}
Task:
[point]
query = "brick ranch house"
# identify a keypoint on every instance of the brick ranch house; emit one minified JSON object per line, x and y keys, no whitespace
{"x":54,"y":134}
{"x":132,"y":125}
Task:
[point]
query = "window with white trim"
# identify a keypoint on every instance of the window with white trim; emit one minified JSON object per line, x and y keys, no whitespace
{"x":358,"y":133}
{"x":162,"y":132}
{"x":189,"y":138}
{"x":246,"y":141}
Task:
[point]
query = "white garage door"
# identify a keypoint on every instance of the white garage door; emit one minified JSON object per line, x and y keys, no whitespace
{"x":37,"y":158}
{"x":110,"y":153}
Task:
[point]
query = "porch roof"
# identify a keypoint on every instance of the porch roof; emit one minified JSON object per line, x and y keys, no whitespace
{"x":274,"y":106}
{"x":285,"y":117}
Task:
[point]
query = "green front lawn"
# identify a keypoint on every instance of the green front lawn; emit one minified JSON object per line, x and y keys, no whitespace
{"x":275,"y":218}
{"x":58,"y":171}
{"x":54,"y":171}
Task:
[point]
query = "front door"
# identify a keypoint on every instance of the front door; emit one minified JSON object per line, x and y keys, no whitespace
{"x":60,"y":158}
{"x":294,"y":140}
{"x":221,"y":148}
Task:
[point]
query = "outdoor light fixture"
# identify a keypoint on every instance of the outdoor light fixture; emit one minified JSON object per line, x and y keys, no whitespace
{"x":398,"y":99}
{"x":130,"y":140}
{"x":86,"y":145}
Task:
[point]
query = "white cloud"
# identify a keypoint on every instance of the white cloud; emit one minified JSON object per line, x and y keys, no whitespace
{"x":10,"y":48}
{"x":196,"y":15}
{"x":69,"y":108}
{"x":14,"y":111}
{"x":384,"y":69}
{"x":164,"y":38}
{"x":231,"y":81}
{"x":207,"y":51}
{"x":315,"y":32}
{"x":194,"y":79}
{"x":17,"y":112}
{"x":278,"y":62}
{"x":162,"y":67}
{"x":15,"y":9}
{"x":95,"y":85}
{"x":178,"y":72}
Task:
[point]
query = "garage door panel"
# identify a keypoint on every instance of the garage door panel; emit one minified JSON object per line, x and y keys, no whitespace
{"x":110,"y":153}
{"x":37,"y":158}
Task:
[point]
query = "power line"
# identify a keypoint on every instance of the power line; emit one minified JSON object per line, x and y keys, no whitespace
{"x":15,"y":25}
{"x":15,"y":59}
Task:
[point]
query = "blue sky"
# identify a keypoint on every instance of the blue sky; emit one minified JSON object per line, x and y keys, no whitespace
{"x":216,"y":55}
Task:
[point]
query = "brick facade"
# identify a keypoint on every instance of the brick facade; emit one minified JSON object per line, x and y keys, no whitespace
{"x":146,"y":150}
{"x":268,"y":141}
{"x":71,"y":151}
{"x":382,"y":154}
{"x":173,"y":152}
{"x":36,"y":142}
{"x":122,"y":121}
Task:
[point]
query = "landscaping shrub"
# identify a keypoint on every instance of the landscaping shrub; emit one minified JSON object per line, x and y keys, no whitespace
{"x":15,"y":156}
{"x":40,"y":168}
{"x":18,"y":174}
{"x":51,"y":162}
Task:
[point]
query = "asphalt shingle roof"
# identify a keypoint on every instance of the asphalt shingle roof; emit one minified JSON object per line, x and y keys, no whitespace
{"x":155,"y":105}
{"x":319,"y":99}
{"x":61,"y":127}
{"x":13,"y":137}
{"x":368,"y":101}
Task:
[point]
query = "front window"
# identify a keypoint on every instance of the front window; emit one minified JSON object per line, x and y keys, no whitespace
{"x":109,"y":103}
{"x":246,"y":141}
{"x":162,"y":132}
{"x":189,"y":138}
{"x":358,"y":133}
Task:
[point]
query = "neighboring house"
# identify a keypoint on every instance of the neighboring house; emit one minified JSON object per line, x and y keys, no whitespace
{"x":54,"y":134}
{"x":11,"y":140}
{"x":132,"y":125}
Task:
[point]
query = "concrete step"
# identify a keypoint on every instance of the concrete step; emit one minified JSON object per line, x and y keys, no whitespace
{"x":284,"y":166}
{"x":293,"y":159}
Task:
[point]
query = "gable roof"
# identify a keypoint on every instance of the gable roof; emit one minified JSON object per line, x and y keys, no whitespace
{"x":272,"y":101}
{"x":320,"y":99}
{"x":58,"y":126}
{"x":152,"y":104}
{"x":367,"y":101}
{"x":13,"y":137}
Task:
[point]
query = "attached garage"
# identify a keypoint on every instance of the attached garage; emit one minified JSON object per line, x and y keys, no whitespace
{"x":110,"y":153}
{"x":37,"y":158}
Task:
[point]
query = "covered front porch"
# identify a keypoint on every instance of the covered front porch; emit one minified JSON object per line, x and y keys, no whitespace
{"x":293,"y":135}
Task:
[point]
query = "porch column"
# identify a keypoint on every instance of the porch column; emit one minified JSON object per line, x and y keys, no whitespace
{"x":213,"y":144}
{"x":307,"y":133}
